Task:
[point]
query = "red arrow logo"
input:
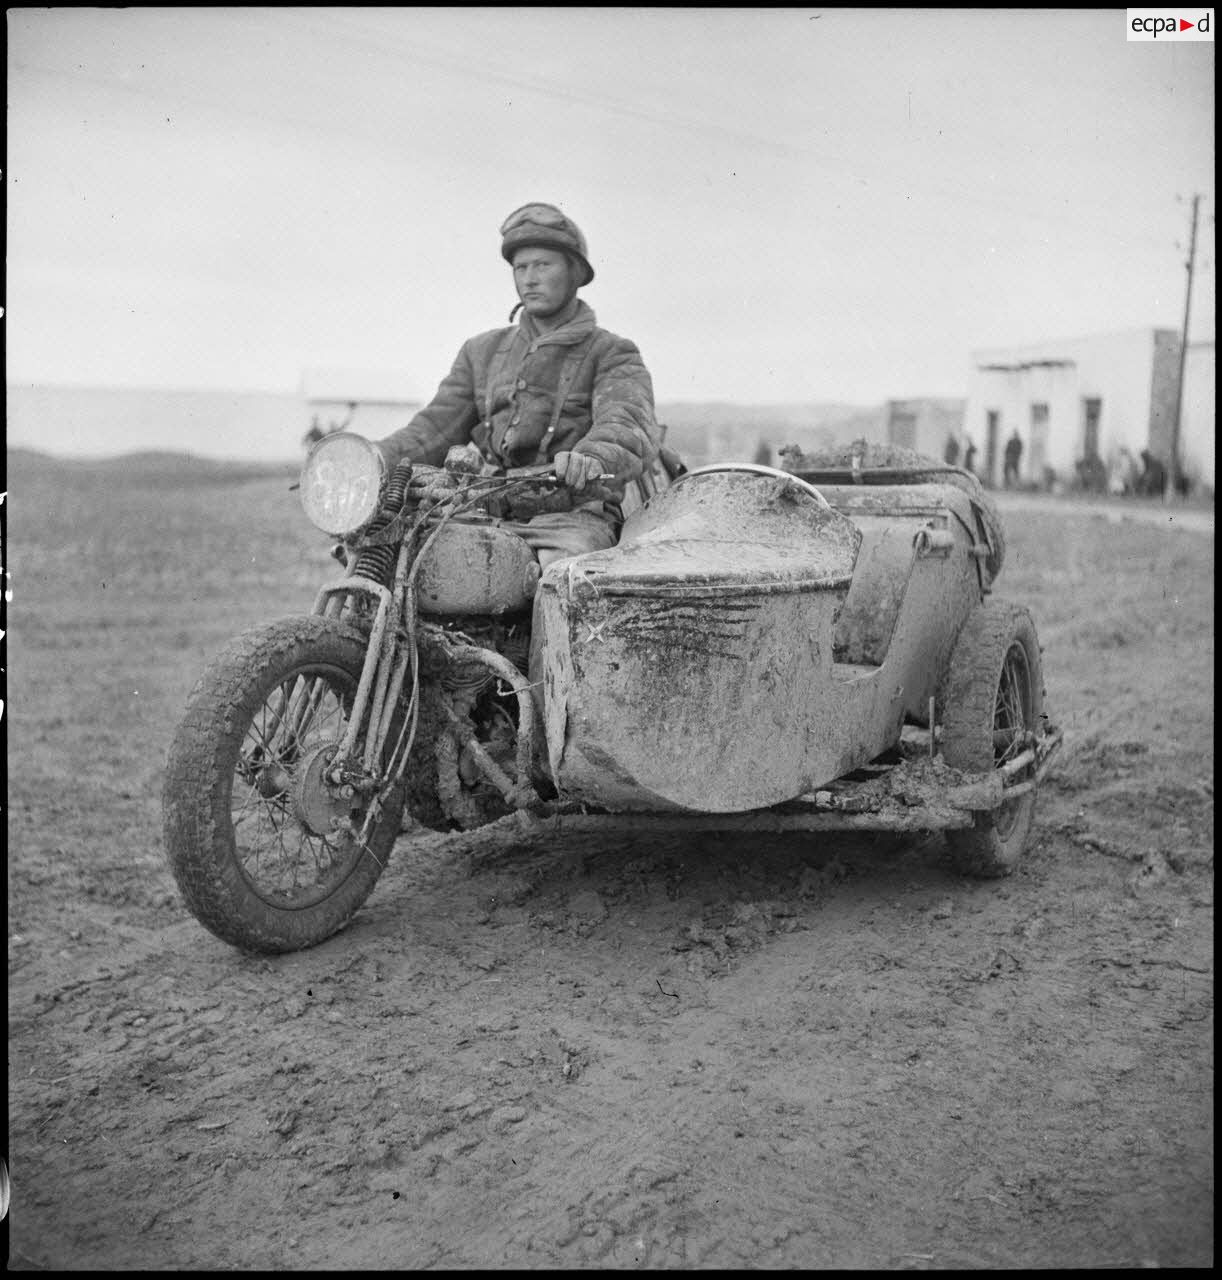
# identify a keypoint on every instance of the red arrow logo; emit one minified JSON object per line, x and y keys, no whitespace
{"x":1185,"y":26}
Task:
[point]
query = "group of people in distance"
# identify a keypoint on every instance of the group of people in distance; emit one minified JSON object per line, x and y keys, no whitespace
{"x":1119,"y":476}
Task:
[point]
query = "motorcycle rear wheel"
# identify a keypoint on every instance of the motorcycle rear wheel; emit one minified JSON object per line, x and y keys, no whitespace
{"x":249,"y":818}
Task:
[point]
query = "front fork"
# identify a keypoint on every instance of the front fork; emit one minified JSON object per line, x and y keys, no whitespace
{"x":392,"y":653}
{"x":383,"y":673}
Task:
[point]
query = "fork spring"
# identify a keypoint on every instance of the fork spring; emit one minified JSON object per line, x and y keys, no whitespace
{"x":378,"y":563}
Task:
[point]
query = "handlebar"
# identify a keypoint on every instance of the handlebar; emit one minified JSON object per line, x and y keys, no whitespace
{"x":547,"y":470}
{"x":517,"y":492}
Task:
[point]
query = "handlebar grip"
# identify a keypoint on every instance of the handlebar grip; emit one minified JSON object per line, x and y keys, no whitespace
{"x":530,"y":473}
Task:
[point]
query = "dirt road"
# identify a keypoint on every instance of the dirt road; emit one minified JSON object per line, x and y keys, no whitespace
{"x":604,"y":1051}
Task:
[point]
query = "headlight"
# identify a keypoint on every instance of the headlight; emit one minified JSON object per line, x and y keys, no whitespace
{"x":341,"y":483}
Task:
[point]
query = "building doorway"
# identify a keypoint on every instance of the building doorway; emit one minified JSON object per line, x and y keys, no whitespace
{"x":1092,"y":474}
{"x":902,"y":428}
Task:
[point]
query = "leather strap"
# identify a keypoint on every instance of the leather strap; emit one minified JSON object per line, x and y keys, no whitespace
{"x":573,"y":363}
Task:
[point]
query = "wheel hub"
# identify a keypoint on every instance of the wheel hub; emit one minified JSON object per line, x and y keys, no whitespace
{"x":272,"y":781}
{"x":318,"y":804}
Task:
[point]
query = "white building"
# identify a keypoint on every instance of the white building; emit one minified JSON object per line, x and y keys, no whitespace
{"x":1085,"y":399}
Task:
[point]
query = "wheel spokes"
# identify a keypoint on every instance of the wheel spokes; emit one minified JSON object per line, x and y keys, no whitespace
{"x":285,"y":861}
{"x":1011,"y":722}
{"x":1012,"y":709}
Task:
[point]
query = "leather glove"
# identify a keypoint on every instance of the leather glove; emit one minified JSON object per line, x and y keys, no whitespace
{"x":576,"y":470}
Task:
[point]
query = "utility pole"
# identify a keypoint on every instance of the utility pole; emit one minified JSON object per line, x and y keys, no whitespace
{"x":1173,"y":478}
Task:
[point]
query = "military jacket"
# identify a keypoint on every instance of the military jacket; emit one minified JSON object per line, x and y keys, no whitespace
{"x":523,"y":396}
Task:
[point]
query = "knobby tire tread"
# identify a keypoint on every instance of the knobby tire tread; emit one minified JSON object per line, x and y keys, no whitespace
{"x":219,"y":710}
{"x":968,"y":700}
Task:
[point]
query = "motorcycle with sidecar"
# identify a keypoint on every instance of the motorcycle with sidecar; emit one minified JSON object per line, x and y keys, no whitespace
{"x":811,"y":648}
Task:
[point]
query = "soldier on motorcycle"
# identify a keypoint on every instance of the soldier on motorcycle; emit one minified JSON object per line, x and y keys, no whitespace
{"x":552,"y":388}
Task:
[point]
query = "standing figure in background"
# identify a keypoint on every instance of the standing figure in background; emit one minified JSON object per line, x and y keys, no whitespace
{"x":1152,"y":483}
{"x":1014,"y":451}
{"x":1121,"y":473}
{"x":969,"y":458}
{"x":951,"y":452}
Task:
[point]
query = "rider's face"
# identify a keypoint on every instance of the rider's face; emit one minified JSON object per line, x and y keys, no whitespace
{"x":544,"y":280}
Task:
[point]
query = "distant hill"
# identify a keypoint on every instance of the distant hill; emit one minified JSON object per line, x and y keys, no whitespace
{"x":270,"y":425}
{"x":76,"y":421}
{"x":699,"y":431}
{"x":144,"y":467}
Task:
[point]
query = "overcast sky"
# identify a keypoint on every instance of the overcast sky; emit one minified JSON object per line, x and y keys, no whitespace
{"x":785,"y":204}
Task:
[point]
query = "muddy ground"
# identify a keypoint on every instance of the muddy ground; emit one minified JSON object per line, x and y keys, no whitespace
{"x":624,"y":1051}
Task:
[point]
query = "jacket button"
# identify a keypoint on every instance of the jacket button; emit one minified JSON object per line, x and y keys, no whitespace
{"x":521,"y":384}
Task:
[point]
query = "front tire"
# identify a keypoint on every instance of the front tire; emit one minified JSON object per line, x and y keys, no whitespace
{"x":249,"y":820}
{"x":993,"y":701}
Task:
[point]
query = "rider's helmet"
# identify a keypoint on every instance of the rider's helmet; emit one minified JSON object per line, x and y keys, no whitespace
{"x":543,"y":226}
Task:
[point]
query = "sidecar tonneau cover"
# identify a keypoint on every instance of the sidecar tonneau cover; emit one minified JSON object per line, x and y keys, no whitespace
{"x":740,"y":532}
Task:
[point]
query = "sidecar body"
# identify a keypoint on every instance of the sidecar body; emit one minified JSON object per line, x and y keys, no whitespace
{"x":759,"y":636}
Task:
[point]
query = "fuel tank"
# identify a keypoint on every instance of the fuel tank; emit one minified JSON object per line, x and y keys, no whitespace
{"x":681,"y":668}
{"x":474,"y":566}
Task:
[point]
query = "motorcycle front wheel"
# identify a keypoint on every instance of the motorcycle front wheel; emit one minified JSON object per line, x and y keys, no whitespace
{"x":264,"y":848}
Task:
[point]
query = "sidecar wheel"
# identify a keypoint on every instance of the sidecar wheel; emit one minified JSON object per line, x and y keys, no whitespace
{"x":248,"y":814}
{"x":993,"y":698}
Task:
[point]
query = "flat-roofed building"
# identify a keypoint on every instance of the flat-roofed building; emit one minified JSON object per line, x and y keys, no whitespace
{"x":1086,"y":402}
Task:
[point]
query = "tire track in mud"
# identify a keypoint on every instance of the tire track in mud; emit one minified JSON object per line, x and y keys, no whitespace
{"x":549,"y":1063}
{"x":699,"y":1175}
{"x":272,"y":1119}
